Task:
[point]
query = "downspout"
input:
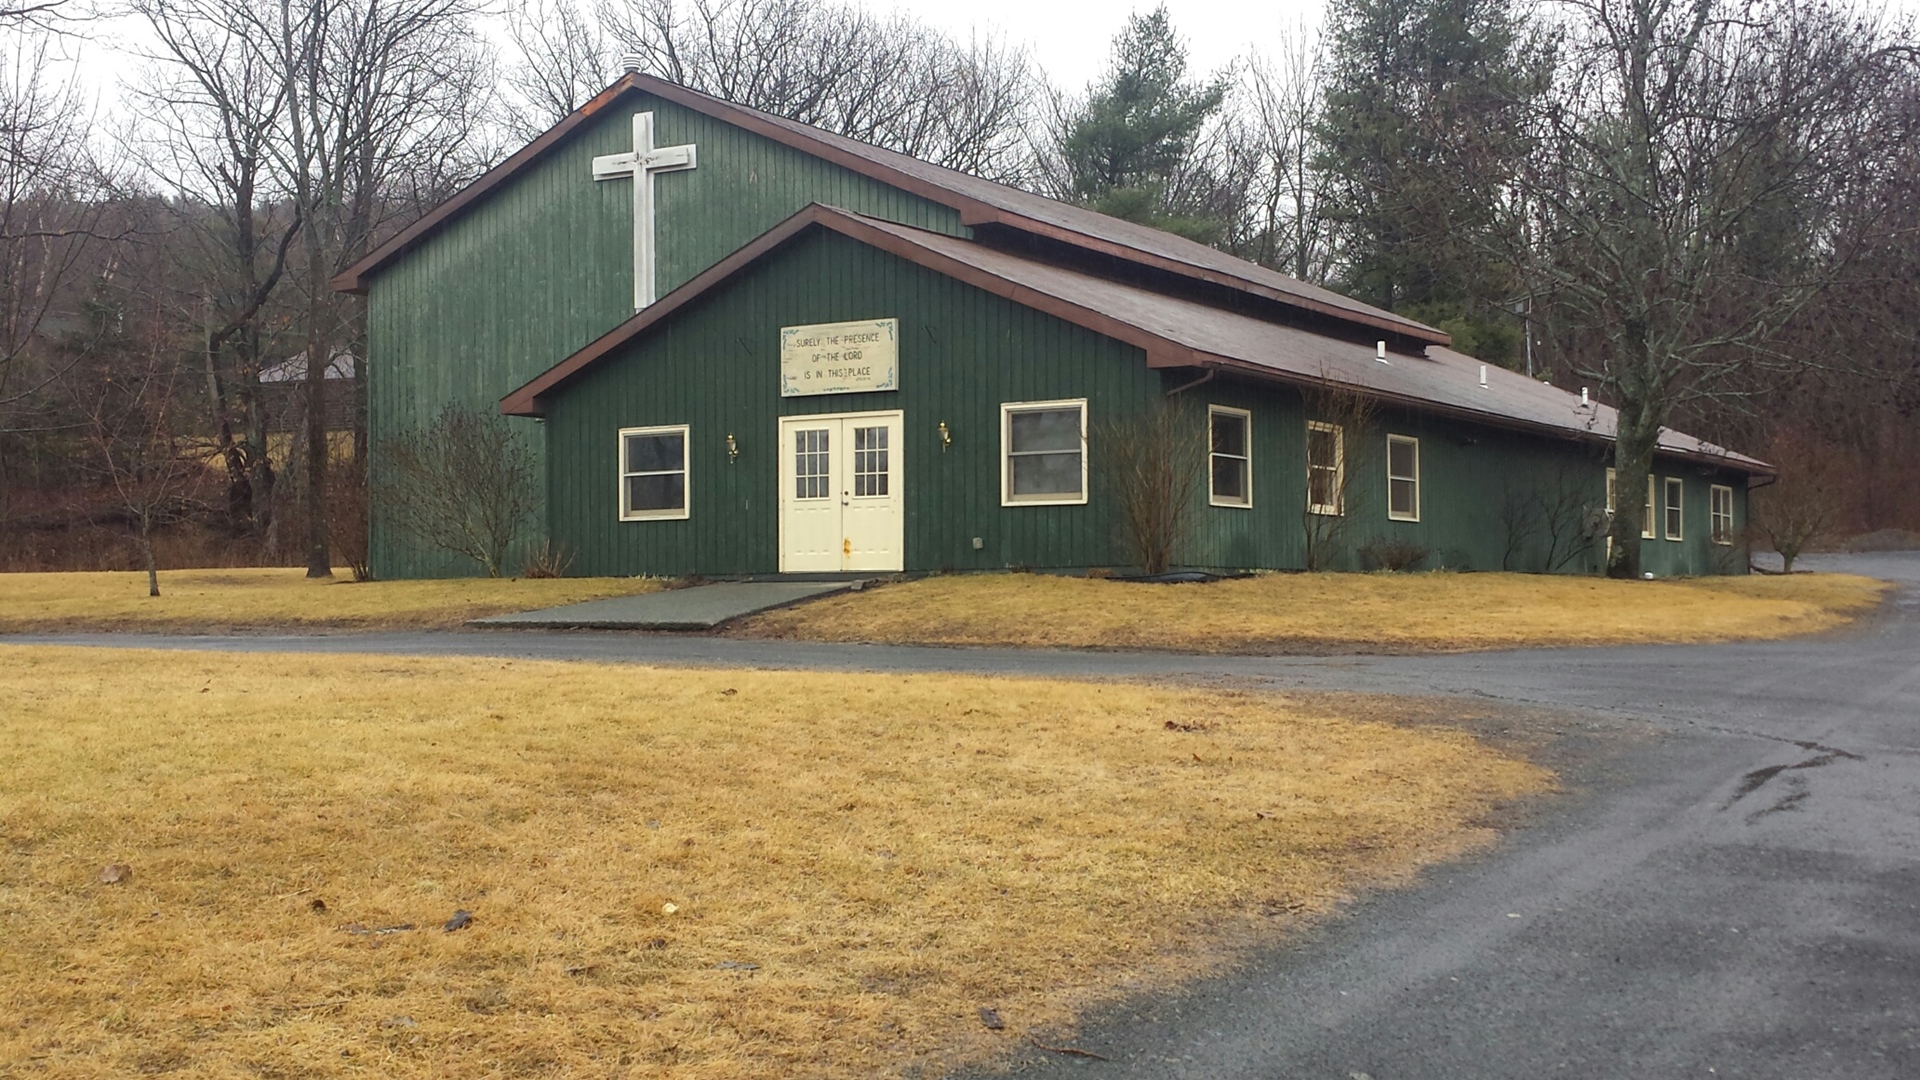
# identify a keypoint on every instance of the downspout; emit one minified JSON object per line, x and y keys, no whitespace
{"x":1201,"y":381}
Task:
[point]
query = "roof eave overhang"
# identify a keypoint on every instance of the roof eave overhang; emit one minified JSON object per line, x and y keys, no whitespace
{"x":1491,"y":419}
{"x":355,"y":278}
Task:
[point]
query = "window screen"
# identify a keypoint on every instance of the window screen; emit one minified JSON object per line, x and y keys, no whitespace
{"x":1722,"y":514}
{"x":653,"y":472}
{"x":1323,"y":468}
{"x":1230,"y":458}
{"x":1046,"y":451}
{"x":1403,"y":478}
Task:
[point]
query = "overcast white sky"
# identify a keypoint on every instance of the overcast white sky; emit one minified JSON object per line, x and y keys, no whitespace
{"x":1070,"y":38}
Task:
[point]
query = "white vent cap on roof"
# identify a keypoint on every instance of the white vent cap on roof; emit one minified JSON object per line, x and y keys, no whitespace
{"x":631,"y":63}
{"x":1380,"y":352}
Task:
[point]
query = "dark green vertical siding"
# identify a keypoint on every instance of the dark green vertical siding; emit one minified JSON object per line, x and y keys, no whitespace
{"x":963,"y":353}
{"x":716,"y":367}
{"x":545,"y":265}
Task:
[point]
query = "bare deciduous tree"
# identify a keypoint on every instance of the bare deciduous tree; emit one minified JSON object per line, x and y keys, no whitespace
{"x":465,"y":485}
{"x":1152,"y":462}
{"x":1683,"y":137}
{"x":1341,"y":422}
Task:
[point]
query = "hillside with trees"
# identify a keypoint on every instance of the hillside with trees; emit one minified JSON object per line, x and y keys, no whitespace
{"x":1707,"y":212}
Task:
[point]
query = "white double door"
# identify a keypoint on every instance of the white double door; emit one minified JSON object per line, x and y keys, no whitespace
{"x":840,"y":498}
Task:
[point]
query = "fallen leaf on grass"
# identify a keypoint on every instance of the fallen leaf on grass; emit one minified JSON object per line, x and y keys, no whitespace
{"x":991,"y":1018}
{"x":115,"y":874}
{"x":460,"y":921}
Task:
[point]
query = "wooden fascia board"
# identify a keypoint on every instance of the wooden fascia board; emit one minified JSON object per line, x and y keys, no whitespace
{"x":526,"y":400}
{"x":354,"y":278}
{"x":1161,"y":352}
{"x":972,"y":211}
{"x":1489,"y":419}
{"x":996,"y":216}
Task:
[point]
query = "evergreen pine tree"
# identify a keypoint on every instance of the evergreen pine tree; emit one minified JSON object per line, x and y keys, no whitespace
{"x":1140,"y":128}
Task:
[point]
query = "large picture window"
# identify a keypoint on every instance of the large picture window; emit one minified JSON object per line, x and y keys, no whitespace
{"x":1229,"y":456}
{"x":1326,"y":467}
{"x":1720,"y":513}
{"x":1676,"y":491}
{"x":653,"y":473}
{"x":1403,"y":478}
{"x":1043,"y":449}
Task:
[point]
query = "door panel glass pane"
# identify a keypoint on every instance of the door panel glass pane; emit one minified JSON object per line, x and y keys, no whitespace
{"x":656,"y":453}
{"x":870,"y":461}
{"x":1044,"y":429}
{"x":1046,"y":474}
{"x":811,"y":468}
{"x":661,"y":491}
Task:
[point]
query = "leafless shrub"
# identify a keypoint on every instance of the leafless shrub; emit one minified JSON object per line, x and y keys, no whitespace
{"x":1394,"y":556}
{"x":549,"y":560}
{"x":1803,"y":504}
{"x":1151,"y":461}
{"x":1341,"y":418}
{"x":465,"y":484}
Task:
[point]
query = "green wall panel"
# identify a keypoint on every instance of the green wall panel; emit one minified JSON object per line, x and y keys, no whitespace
{"x":715,"y":366}
{"x":545,"y":265}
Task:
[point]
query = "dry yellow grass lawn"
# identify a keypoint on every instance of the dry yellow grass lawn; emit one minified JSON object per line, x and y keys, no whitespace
{"x":889,"y":853}
{"x":278,"y":597}
{"x":1305,"y":612}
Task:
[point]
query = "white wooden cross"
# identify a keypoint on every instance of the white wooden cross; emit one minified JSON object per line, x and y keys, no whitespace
{"x":640,"y":164}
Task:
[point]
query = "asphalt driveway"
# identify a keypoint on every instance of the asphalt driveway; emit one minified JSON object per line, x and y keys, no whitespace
{"x":1735,"y":894}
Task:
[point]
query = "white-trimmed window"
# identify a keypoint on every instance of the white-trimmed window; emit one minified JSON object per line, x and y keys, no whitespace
{"x":1648,"y":524}
{"x":653,"y":473}
{"x":1720,"y":513}
{"x":1326,"y":467}
{"x":1043,"y":452}
{"x":1229,"y":456}
{"x":1676,"y":491}
{"x":1403,"y":478}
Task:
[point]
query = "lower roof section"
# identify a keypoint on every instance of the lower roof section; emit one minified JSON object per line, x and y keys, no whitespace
{"x":1173,"y":332}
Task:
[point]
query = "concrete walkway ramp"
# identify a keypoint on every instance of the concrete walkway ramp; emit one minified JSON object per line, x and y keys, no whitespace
{"x":701,"y":607}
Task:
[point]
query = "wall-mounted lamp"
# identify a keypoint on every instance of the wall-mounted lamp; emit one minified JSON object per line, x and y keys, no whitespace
{"x":733,"y":448}
{"x":946,"y":437}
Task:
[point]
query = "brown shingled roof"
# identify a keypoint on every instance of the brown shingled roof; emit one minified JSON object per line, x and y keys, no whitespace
{"x":979,"y":202}
{"x":1173,"y":332}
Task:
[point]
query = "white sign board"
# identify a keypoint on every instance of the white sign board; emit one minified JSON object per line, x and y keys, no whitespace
{"x":840,"y":358}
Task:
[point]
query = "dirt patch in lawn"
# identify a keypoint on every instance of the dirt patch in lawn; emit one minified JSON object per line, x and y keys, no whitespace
{"x":279,"y":598}
{"x":1295,"y":613}
{"x":702,"y":873}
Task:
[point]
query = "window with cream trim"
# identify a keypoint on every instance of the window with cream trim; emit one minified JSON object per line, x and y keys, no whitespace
{"x":1648,"y":526}
{"x":1676,"y":492}
{"x":1720,"y":513}
{"x":1326,"y":467}
{"x":1403,"y":478}
{"x":653,"y":473}
{"x":1229,"y":456}
{"x":1043,"y":452}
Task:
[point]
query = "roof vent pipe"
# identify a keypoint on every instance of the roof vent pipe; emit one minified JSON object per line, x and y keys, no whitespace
{"x":631,"y":63}
{"x":1483,"y":376}
{"x":1583,"y":397}
{"x":1380,"y":352}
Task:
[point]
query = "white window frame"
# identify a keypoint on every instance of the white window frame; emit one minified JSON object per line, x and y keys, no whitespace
{"x":1613,"y":498}
{"x":1670,"y":505}
{"x":1714,"y":494}
{"x":1007,"y":410}
{"x":1650,"y":528}
{"x":685,"y":470}
{"x":1246,"y":419}
{"x":1415,"y":478}
{"x":1337,"y":508}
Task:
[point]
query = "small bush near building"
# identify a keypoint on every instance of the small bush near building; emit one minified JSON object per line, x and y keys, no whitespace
{"x":1394,"y":555}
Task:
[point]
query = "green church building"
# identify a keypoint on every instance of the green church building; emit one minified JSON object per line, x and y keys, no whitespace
{"x":745,"y":346}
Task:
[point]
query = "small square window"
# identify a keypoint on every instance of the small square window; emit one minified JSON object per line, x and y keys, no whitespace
{"x":1720,"y":512}
{"x":1676,"y":491}
{"x":1403,"y":478}
{"x":653,"y":473}
{"x":1229,"y":456}
{"x":1044,"y":452}
{"x":1326,"y":468}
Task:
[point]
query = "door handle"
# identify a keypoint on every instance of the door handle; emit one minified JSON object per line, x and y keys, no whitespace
{"x":845,"y":499}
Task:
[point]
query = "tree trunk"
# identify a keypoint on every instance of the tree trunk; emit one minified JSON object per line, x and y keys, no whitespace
{"x":1632,"y":464}
{"x":146,"y":549}
{"x":319,"y":561}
